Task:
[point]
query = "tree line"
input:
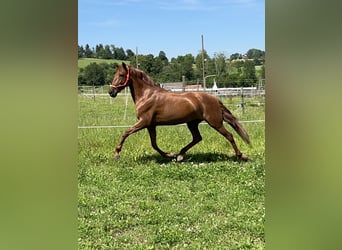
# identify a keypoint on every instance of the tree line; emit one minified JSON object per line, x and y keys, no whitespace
{"x":237,"y":70}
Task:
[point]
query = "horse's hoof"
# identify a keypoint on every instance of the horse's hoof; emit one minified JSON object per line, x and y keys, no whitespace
{"x":170,"y":155}
{"x":243,"y":157}
{"x":116,"y":157}
{"x":179,"y":158}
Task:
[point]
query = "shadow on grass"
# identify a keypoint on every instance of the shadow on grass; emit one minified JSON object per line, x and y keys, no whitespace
{"x":192,"y":157}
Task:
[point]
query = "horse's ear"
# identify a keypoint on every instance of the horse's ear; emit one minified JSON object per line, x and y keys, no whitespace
{"x":116,"y":65}
{"x":124,"y":65}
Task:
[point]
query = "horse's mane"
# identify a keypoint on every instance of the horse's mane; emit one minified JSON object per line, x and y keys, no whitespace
{"x":143,"y":76}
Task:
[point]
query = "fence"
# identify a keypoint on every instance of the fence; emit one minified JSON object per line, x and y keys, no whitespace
{"x":98,"y":110}
{"x":93,"y":91}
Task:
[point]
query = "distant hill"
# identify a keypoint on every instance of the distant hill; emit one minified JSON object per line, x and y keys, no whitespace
{"x":83,"y":62}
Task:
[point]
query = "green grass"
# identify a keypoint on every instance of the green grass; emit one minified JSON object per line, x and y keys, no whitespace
{"x":143,"y":201}
{"x":83,"y":62}
{"x":258,"y":69}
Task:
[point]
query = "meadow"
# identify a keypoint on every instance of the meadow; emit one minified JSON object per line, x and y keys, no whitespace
{"x":211,"y":200}
{"x":83,"y":62}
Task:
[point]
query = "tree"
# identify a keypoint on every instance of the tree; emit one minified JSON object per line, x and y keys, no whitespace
{"x":167,"y":74}
{"x":157,"y":66}
{"x":81,"y":52}
{"x":109,"y":71}
{"x":81,"y":78}
{"x":210,"y":66}
{"x":94,"y":74}
{"x":113,"y":51}
{"x":186,"y":64}
{"x":99,"y":51}
{"x":262,"y":72}
{"x":233,"y":72}
{"x":119,"y":54}
{"x":129,"y":53}
{"x":146,"y":63}
{"x":248,"y":75}
{"x":163,"y":57}
{"x":242,"y":74}
{"x":221,"y":70}
{"x":235,"y":56}
{"x":88,"y":52}
{"x":107,"y":53}
{"x":257,"y":55}
{"x":220,"y":64}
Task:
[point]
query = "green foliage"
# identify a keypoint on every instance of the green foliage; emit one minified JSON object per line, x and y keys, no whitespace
{"x":238,"y":71}
{"x":260,"y":71}
{"x":104,"y":52}
{"x":94,"y":74}
{"x":257,"y":55}
{"x":235,"y":56}
{"x":89,"y":53}
{"x":143,"y":201}
{"x":96,"y":71}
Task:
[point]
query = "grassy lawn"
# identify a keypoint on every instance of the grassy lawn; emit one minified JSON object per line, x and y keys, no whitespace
{"x":83,"y":62}
{"x":143,"y":201}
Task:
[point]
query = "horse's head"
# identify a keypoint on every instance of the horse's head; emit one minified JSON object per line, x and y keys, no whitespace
{"x":120,"y":81}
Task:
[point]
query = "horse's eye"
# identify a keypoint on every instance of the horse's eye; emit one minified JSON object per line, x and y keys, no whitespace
{"x":121,"y":75}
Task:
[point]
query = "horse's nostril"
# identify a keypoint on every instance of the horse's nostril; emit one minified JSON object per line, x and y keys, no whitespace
{"x":112,"y":93}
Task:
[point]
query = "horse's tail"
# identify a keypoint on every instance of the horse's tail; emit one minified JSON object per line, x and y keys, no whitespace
{"x":232,"y":121}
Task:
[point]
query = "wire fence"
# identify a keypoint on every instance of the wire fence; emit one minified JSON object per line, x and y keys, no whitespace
{"x":97,"y":110}
{"x":94,"y":91}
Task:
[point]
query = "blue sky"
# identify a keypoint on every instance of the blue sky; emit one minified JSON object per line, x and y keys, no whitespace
{"x":173,"y":26}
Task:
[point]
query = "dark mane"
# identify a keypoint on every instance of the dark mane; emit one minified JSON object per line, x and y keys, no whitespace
{"x":143,"y":76}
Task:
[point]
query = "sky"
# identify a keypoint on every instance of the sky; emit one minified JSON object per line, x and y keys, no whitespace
{"x":173,"y":26}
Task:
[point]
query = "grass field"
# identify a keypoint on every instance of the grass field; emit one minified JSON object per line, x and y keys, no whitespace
{"x":143,"y":201}
{"x":83,"y":62}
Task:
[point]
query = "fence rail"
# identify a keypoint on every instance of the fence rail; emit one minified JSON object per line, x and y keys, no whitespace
{"x":220,"y":92}
{"x":99,"y":111}
{"x":128,"y":126}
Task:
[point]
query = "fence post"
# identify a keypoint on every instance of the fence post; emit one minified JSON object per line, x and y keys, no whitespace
{"x":183,"y":83}
{"x":242,"y":101}
{"x":94,"y":91}
{"x":126,"y":104}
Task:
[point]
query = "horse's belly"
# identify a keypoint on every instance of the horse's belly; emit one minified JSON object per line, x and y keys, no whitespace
{"x":176,"y":113}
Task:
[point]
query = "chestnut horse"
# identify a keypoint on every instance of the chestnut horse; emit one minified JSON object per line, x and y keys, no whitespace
{"x":156,"y":106}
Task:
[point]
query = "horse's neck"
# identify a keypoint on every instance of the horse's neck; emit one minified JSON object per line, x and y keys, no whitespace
{"x":138,"y":89}
{"x":131,"y":88}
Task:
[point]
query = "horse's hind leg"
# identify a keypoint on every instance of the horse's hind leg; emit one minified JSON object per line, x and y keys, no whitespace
{"x":196,"y":138}
{"x":153,"y":137}
{"x":223,"y":131}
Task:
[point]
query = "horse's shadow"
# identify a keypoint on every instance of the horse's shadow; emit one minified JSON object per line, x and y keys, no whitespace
{"x":193,"y":158}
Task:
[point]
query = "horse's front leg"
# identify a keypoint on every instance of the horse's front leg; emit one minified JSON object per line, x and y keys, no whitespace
{"x":135,"y":128}
{"x":153,"y":137}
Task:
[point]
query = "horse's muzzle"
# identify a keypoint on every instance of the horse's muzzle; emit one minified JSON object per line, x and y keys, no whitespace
{"x":113,"y":92}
